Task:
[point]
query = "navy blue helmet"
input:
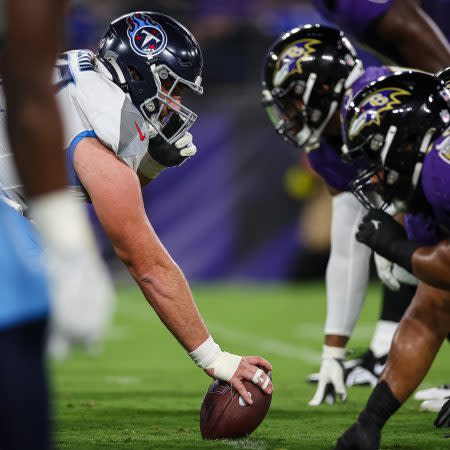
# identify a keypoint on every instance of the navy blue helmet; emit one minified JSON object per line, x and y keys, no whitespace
{"x":152,"y":57}
{"x":305,"y":75}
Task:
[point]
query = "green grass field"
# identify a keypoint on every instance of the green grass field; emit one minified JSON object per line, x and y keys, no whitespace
{"x":143,"y":392}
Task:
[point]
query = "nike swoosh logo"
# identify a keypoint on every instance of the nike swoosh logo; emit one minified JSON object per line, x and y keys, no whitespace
{"x":376,"y":223}
{"x":141,"y":136}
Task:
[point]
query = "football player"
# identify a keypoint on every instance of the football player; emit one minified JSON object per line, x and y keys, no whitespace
{"x":400,"y":127}
{"x":30,"y":36}
{"x":310,"y":73}
{"x":125,"y":122}
{"x":411,"y":33}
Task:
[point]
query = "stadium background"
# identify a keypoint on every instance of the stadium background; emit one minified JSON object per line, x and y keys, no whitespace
{"x":244,"y":207}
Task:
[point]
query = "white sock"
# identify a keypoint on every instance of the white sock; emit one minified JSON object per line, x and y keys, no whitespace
{"x":382,"y":337}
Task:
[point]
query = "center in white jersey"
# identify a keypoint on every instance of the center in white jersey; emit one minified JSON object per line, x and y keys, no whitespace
{"x":91,"y":105}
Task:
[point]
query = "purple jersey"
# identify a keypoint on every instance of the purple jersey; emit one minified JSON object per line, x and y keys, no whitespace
{"x":326,"y":160}
{"x":353,"y":15}
{"x":430,"y":228}
{"x":358,"y":16}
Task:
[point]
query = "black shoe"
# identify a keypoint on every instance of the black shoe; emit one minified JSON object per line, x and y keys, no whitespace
{"x":443,"y":418}
{"x":359,"y":437}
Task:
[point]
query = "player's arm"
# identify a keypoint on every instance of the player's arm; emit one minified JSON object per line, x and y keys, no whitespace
{"x":432,"y":264}
{"x":414,"y":35}
{"x":382,"y":233}
{"x":33,"y":121}
{"x":116,"y":196}
{"x":346,"y":283}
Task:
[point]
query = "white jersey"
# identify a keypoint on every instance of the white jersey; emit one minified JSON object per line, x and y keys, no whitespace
{"x":91,"y":105}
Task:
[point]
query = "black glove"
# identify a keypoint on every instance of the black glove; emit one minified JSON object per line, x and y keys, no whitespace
{"x":171,"y":154}
{"x":360,"y":437}
{"x":443,"y":417}
{"x":385,"y":236}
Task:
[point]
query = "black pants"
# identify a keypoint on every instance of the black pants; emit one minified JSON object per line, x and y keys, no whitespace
{"x":24,"y":404}
{"x":395,"y":303}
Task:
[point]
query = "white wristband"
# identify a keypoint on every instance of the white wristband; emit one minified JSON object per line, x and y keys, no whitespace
{"x":206,"y":354}
{"x":61,"y":221}
{"x":333,"y":352}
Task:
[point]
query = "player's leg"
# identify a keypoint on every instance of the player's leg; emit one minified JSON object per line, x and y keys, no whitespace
{"x":416,"y":343}
{"x":394,"y":305}
{"x":24,"y":412}
{"x":346,"y":283}
{"x":24,"y":308}
{"x":34,"y":125}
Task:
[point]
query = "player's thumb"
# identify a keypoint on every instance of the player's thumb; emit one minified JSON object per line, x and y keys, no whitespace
{"x":339,"y":387}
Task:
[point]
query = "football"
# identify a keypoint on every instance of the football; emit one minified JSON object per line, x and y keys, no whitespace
{"x":225,"y":415}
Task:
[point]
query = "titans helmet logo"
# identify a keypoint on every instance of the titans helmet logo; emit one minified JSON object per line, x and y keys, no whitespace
{"x":147,"y":38}
{"x":291,"y":59}
{"x":371,"y":108}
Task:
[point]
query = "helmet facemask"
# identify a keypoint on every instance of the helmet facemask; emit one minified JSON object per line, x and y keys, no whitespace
{"x":395,"y":174}
{"x":160,"y":107}
{"x":301,"y":111}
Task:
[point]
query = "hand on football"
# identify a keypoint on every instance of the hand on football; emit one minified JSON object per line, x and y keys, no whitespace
{"x":170,"y":155}
{"x":250,"y":368}
{"x":331,"y":383}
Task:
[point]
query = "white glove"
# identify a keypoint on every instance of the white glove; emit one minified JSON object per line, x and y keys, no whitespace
{"x":392,"y":275}
{"x":384,"y":271}
{"x":331,"y":377}
{"x":404,"y":276}
{"x":80,"y":286}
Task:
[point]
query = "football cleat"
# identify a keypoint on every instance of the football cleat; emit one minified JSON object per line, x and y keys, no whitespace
{"x":362,"y":371}
{"x":434,"y":393}
{"x":360,"y":437}
{"x":443,"y":418}
{"x":433,"y":405}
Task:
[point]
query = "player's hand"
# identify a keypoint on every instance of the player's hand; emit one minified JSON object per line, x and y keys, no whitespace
{"x":235,"y":369}
{"x":385,"y":272}
{"x":81,"y":289}
{"x":82,"y":300}
{"x":385,"y":236}
{"x":361,"y":437}
{"x":331,"y":382}
{"x":170,"y":155}
{"x":378,"y":231}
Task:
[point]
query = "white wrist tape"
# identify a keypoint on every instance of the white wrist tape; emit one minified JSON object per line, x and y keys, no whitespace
{"x":209,"y":356}
{"x":61,"y":221}
{"x":333,"y":352}
{"x":205,"y":354}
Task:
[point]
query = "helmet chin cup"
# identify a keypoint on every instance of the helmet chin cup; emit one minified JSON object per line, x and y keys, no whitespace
{"x":158,"y":108}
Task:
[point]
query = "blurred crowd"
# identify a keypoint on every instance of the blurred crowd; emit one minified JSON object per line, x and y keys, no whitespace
{"x":233,"y":34}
